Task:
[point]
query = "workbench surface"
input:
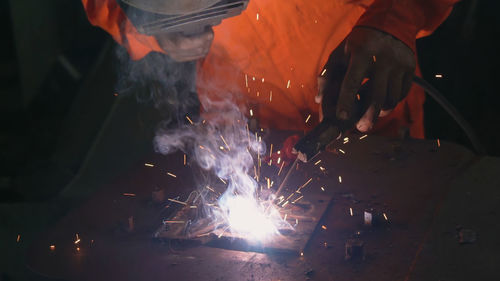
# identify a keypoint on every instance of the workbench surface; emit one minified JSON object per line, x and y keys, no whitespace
{"x":426,"y":192}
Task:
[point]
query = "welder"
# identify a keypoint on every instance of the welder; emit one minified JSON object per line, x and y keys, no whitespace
{"x":283,"y":58}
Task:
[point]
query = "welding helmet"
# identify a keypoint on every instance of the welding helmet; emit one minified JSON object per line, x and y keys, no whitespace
{"x":189,"y":17}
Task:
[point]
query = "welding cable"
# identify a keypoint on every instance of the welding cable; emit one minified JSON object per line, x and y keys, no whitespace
{"x":452,"y":111}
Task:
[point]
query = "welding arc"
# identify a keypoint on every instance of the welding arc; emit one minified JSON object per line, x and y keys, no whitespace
{"x":452,"y":111}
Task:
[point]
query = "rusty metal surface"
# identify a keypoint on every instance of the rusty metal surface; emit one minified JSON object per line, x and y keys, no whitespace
{"x":403,"y":179}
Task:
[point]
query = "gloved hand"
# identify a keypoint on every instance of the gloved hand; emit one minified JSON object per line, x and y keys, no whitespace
{"x":184,"y":48}
{"x":367,"y":54}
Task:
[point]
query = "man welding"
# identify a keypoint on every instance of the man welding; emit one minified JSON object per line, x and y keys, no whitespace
{"x":281,"y":58}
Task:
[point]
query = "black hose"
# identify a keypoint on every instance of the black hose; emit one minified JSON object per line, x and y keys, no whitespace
{"x":448,"y":107}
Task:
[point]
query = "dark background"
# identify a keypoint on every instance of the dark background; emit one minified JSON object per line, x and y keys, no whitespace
{"x":50,"y":116}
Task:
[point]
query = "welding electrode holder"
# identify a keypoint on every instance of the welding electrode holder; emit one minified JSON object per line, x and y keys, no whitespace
{"x":331,"y":128}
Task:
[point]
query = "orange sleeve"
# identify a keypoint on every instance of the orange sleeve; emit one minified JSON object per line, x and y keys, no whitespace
{"x":406,"y":19}
{"x":108,"y":15}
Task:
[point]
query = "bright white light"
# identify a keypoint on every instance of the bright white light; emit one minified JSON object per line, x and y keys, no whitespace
{"x":247,"y":218}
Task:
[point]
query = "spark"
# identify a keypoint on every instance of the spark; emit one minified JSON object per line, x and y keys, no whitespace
{"x":279,"y":160}
{"x":257,"y":94}
{"x":268,"y":183}
{"x":317,"y":162}
{"x":322,"y":188}
{"x":341,"y":151}
{"x":374,"y":59}
{"x":385,"y":217}
{"x":251,"y":112}
{"x":281,"y":168}
{"x":362,"y":137}
{"x":172,"y":175}
{"x":246,"y":80}
{"x":129,"y":194}
{"x":262,"y":80}
{"x":177,"y":201}
{"x":350,"y":211}
{"x":271,"y":151}
{"x":148,"y":165}
{"x":189,"y":119}
{"x":257,"y":16}
{"x":322,"y":168}
{"x":185,"y":160}
{"x":301,"y":254}
{"x":52,"y":247}
{"x":78,"y":249}
{"x":288,"y":84}
{"x":324,"y":227}
{"x":296,"y":221}
{"x":297,"y":200}
{"x":18,"y":238}
{"x":358,"y":97}
{"x":284,"y":204}
{"x":438,"y":143}
{"x":270,"y":96}
{"x":223,"y":181}
{"x":285,"y":217}
{"x":439,"y":75}
{"x":225,"y":142}
{"x":253,"y":78}
{"x":323,"y":72}
{"x":308,"y":117}
{"x":340,"y":179}
{"x":305,"y":184}
{"x":209,"y":188}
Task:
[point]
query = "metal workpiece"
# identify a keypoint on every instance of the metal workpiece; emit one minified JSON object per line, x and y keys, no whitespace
{"x":401,"y":180}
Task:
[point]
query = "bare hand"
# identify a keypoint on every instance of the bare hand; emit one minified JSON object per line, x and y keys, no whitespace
{"x":366,"y":54}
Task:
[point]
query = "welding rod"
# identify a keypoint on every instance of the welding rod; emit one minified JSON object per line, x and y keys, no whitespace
{"x":286,"y":177}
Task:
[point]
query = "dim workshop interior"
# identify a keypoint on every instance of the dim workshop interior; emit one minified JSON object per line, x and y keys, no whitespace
{"x":249,"y":140}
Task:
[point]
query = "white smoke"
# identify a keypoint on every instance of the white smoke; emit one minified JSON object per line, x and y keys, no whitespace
{"x":222,"y":144}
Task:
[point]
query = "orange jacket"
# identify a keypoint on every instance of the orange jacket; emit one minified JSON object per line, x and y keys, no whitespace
{"x":269,"y":57}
